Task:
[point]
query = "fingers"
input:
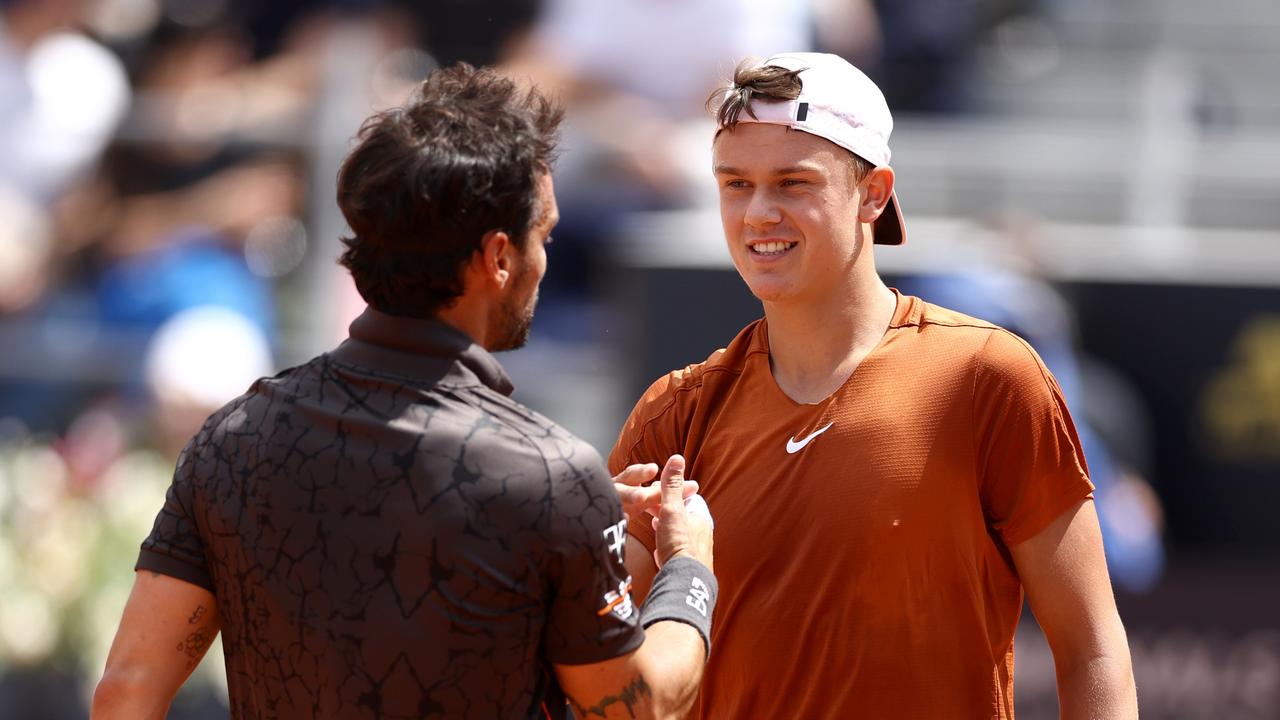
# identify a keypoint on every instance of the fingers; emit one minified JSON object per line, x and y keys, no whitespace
{"x":638,"y":474}
{"x":673,"y":484}
{"x":635,"y":499}
{"x":649,"y":497}
{"x":689,"y":490}
{"x":627,"y":483}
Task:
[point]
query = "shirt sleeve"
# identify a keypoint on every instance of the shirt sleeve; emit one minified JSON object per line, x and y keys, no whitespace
{"x":1030,"y":461}
{"x":648,"y":436}
{"x":174,"y":547}
{"x":593,"y":617}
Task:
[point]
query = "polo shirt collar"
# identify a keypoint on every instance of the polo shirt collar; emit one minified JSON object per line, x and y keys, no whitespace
{"x":433,"y":338}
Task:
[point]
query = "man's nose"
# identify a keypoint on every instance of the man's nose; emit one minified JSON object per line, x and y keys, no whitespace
{"x":762,"y":209}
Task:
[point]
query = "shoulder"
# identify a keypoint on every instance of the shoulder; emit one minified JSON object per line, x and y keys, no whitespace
{"x":520,"y":443}
{"x":686,"y":384}
{"x":980,"y":345}
{"x":253,"y":407}
{"x":950,"y":325}
{"x":999,"y":363}
{"x":658,"y":424}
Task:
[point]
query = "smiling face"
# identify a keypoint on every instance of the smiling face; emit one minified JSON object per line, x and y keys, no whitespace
{"x":789,"y":202}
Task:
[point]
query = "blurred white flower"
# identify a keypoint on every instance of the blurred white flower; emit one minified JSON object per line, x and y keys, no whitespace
{"x":69,"y":534}
{"x":28,"y":627}
{"x":39,"y":479}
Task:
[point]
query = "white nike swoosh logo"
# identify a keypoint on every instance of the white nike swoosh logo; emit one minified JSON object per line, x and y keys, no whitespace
{"x":794,"y":447}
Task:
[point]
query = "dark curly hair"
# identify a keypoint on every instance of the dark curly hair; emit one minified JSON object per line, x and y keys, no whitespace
{"x":428,"y":180}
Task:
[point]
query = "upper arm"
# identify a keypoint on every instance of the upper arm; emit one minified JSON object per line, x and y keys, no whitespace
{"x":641,"y":566}
{"x":168,"y":625}
{"x":1064,"y":572}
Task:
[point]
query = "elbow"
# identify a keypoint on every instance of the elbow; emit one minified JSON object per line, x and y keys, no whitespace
{"x":123,"y":694}
{"x":674,"y":706}
{"x":109,"y":697}
{"x":674,"y":690}
{"x":1102,"y":686}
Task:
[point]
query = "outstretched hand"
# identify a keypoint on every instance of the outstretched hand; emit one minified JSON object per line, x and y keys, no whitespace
{"x":682,"y":528}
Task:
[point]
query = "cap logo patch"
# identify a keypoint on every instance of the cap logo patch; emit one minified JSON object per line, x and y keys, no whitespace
{"x":802,"y":112}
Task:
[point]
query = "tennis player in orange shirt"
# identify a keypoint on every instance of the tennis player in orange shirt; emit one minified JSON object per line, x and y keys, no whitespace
{"x":889,"y":478}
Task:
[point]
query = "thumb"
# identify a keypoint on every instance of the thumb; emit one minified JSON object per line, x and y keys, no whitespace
{"x":673,"y":484}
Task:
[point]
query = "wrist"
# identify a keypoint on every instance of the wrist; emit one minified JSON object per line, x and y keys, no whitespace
{"x":685,"y":591}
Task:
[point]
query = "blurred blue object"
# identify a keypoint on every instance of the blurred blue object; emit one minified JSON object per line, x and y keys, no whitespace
{"x":193,"y":268}
{"x":85,"y":338}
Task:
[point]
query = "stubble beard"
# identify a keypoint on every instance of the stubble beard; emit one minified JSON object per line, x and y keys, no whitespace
{"x":514,"y":321}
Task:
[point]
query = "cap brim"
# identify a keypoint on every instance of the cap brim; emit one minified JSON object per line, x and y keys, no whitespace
{"x":890,"y":228}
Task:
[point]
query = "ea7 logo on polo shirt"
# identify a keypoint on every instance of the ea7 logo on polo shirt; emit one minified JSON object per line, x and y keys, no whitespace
{"x":615,"y":537}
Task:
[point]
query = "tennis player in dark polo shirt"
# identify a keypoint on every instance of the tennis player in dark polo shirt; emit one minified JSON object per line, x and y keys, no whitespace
{"x":383,"y":532}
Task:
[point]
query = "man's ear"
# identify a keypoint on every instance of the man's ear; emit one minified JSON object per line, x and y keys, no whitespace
{"x":495,"y":260}
{"x":877,"y":189}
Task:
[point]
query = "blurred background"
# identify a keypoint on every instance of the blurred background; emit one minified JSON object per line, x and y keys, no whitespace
{"x":1103,"y":178}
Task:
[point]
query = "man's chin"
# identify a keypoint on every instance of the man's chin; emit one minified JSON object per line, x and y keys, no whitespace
{"x":770,"y":291}
{"x":516,"y":336}
{"x":514,"y":343}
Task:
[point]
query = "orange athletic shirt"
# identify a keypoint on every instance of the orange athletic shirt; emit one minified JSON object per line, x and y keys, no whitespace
{"x":866,"y":574}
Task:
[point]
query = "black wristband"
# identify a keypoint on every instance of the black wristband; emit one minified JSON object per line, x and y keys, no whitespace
{"x":685,"y":591}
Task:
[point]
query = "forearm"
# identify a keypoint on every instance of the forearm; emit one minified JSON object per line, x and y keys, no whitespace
{"x":671,"y":661}
{"x":1100,"y":687}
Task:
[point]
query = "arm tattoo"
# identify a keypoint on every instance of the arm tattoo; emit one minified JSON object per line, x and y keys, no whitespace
{"x":630,"y":696}
{"x":197,"y":642}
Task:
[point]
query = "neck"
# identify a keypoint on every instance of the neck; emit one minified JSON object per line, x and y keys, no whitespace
{"x":467,"y":315}
{"x":815,"y":345}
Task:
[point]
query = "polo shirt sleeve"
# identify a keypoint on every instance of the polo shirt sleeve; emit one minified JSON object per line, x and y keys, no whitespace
{"x":174,"y":547}
{"x":592,"y":616}
{"x":1030,"y":462}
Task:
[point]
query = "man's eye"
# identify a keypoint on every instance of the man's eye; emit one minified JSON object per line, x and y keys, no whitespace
{"x":736,"y":184}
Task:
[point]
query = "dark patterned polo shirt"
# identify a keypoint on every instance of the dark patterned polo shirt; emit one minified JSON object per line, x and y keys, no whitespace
{"x":389,"y":535}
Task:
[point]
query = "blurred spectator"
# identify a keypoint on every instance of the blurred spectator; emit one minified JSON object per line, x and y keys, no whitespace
{"x":198,"y":211}
{"x":61,"y":97}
